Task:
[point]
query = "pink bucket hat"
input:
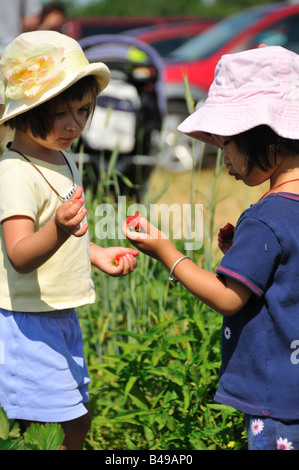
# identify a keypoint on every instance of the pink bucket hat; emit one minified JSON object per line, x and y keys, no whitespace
{"x":250,"y":88}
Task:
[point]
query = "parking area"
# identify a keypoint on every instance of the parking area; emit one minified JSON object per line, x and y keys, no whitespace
{"x":161,"y":69}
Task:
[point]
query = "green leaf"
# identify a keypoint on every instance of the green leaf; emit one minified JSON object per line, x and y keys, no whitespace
{"x":179,"y":339}
{"x":187,"y":397}
{"x":157,"y":355}
{"x":125,"y":179}
{"x":188,"y":96}
{"x":47,"y":436}
{"x":139,"y":399}
{"x":174,"y":376}
{"x":112,"y":162}
{"x":130,"y":444}
{"x":129,"y":385}
{"x":12,"y":444}
{"x":4,"y":425}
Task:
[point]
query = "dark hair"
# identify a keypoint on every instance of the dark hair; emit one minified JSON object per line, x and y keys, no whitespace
{"x":261,"y":145}
{"x":50,"y":7}
{"x":40,"y":120}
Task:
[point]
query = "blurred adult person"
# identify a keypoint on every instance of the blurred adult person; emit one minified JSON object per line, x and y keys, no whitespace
{"x":52,"y":16}
{"x":17,"y":16}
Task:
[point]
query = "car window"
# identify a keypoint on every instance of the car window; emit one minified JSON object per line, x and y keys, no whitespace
{"x":284,"y":33}
{"x":166,"y":46}
{"x":207,"y":43}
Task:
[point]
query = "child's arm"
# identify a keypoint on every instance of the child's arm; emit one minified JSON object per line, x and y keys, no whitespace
{"x":27,"y":250}
{"x":103,"y":258}
{"x":226,"y":297}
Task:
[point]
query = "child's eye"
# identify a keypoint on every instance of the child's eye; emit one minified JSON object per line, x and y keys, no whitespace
{"x":227,"y":142}
{"x":85,"y":110}
{"x":59,"y":114}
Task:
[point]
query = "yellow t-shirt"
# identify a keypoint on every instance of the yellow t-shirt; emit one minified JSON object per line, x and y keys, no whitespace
{"x":64,"y":281}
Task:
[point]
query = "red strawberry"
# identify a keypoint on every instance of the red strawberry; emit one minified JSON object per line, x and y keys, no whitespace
{"x":225,"y":237}
{"x":227,"y":232}
{"x":115,"y":261}
{"x":133,"y":222}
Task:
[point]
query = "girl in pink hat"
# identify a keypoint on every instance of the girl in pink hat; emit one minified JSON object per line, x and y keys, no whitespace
{"x":49,"y":90}
{"x":252,"y":113}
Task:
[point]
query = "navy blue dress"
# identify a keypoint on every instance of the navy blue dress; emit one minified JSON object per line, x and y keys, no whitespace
{"x":260,"y":344}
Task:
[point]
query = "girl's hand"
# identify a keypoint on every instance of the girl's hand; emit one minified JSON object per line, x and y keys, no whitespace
{"x":104,"y":259}
{"x":71,"y":213}
{"x":148,"y":239}
{"x":226,"y":298}
{"x":225,"y":237}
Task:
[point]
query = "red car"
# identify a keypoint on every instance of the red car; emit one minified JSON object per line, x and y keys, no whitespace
{"x":79,"y":28}
{"x":273,"y":24}
{"x":167,"y":37}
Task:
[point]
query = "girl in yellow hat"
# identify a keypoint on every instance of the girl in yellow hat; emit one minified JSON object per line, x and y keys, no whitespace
{"x":49,"y":90}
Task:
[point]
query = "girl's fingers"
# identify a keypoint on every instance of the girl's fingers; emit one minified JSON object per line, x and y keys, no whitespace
{"x":80,"y":231}
{"x":128,"y":264}
{"x":74,"y":207}
{"x":147,"y":231}
{"x":77,"y":194}
{"x":71,"y":213}
{"x":78,"y":217}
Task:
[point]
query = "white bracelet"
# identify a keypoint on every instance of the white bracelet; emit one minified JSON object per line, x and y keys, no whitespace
{"x":171,"y":277}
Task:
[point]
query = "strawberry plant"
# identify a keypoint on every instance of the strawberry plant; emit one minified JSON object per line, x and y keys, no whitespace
{"x":36,"y":437}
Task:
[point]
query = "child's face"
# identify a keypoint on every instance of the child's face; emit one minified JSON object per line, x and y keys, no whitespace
{"x":237,"y":165}
{"x":69,"y":122}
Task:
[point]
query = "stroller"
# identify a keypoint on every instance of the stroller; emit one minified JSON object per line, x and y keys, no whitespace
{"x":129,"y":112}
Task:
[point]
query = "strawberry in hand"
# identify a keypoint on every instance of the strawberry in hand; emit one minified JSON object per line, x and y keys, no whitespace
{"x":115,"y":261}
{"x":132,"y":222}
{"x":225,"y":237}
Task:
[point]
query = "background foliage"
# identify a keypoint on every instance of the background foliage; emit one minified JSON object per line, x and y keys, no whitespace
{"x":158,"y":7}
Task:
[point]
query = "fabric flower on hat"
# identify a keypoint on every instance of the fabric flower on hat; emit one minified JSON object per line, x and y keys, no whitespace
{"x":2,"y":89}
{"x":31,"y":73}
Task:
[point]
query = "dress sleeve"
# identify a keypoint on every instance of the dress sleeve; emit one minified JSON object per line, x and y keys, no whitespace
{"x":253,"y":257}
{"x":17,"y":194}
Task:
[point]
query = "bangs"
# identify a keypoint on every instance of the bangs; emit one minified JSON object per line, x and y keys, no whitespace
{"x":40,"y":120}
{"x":77,"y":91}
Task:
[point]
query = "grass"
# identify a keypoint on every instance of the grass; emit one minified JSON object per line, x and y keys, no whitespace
{"x":153,"y":350}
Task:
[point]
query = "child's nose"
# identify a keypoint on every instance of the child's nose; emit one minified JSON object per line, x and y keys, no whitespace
{"x":72,"y":123}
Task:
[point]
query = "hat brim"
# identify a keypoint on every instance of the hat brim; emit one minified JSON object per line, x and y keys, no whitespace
{"x":16,"y":107}
{"x":231,"y":119}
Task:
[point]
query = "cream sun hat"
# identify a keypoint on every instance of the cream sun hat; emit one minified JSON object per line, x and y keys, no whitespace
{"x":250,"y":88}
{"x":37,"y":66}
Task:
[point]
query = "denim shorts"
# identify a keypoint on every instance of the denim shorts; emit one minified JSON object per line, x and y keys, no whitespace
{"x":43,"y":374}
{"x":266,"y":433}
